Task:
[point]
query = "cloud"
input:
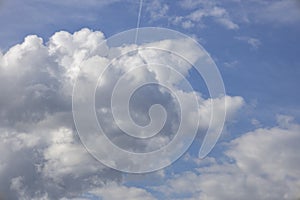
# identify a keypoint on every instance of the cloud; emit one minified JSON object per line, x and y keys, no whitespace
{"x":229,"y":14}
{"x":253,"y":42}
{"x":48,"y":162}
{"x":262,"y":164}
{"x":231,"y":64}
{"x":200,"y":10}
{"x":120,"y":192}
{"x":274,"y":13}
{"x":282,"y":12}
{"x":157,"y":10}
{"x":88,"y":3}
{"x":218,"y":14}
{"x":41,"y":154}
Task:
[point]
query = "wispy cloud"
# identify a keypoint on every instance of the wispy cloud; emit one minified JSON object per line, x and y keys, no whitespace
{"x":198,"y":12}
{"x":253,"y":42}
{"x":230,"y":14}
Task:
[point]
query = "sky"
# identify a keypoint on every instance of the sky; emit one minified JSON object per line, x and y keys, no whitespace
{"x":52,"y":54}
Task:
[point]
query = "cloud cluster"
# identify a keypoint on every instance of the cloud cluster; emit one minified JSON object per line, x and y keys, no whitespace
{"x":230,"y":14}
{"x":41,"y":155}
{"x":262,"y":164}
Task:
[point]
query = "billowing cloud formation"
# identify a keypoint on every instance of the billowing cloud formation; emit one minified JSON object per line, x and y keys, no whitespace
{"x":262,"y":164}
{"x":41,"y":156}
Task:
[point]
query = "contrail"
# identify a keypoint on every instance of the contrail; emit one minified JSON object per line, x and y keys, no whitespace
{"x":138,"y":21}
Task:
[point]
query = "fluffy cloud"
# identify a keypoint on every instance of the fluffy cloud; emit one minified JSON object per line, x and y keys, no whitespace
{"x":41,"y":155}
{"x":262,"y":164}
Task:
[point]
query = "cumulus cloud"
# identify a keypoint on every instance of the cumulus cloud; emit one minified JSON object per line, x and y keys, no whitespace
{"x":262,"y":164}
{"x":41,"y":155}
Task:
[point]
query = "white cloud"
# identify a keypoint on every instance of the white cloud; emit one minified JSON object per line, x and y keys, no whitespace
{"x":253,"y":42}
{"x":206,"y":9}
{"x":255,"y":122}
{"x":41,"y":156}
{"x":46,"y":160}
{"x":194,"y":4}
{"x":188,"y":24}
{"x":120,"y":192}
{"x":199,"y":12}
{"x":231,"y":64}
{"x":227,"y":23}
{"x":64,"y":157}
{"x":274,"y":13}
{"x":281,"y":11}
{"x":87,"y":3}
{"x":157,"y":10}
{"x":262,"y":164}
{"x":230,"y":14}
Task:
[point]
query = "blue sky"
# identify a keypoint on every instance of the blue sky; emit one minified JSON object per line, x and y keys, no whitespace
{"x":255,"y":45}
{"x":233,"y":56}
